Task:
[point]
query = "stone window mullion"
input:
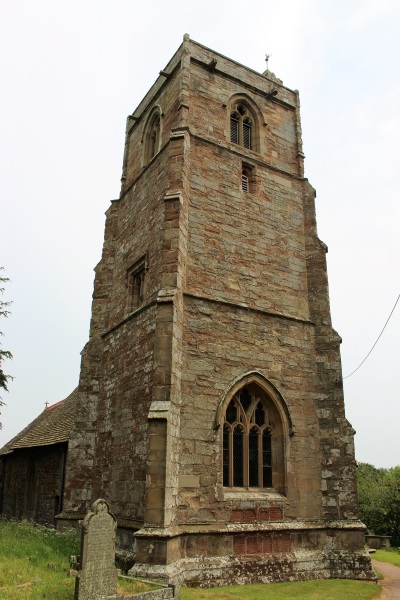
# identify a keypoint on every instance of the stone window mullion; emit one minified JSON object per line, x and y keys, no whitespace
{"x":241,"y":131}
{"x":231,"y":457}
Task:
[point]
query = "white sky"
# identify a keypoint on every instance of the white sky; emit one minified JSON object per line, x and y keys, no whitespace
{"x":72,"y":71}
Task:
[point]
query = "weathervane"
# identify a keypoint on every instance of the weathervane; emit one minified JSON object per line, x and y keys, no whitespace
{"x":267,"y":57}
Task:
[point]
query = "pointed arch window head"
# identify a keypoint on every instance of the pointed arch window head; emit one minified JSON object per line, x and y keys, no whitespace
{"x":241,"y":126}
{"x":252,"y":442}
{"x":152,"y":135}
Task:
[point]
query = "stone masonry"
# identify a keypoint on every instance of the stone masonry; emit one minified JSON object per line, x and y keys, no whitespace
{"x":211,"y":296}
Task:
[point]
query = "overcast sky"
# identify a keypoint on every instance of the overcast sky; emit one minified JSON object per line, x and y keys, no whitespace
{"x":70,"y":74}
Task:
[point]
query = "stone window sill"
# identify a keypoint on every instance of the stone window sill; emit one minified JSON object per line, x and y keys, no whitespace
{"x":251,"y":494}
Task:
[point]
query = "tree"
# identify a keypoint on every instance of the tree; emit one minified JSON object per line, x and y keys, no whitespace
{"x":379,"y":500}
{"x":4,"y":354}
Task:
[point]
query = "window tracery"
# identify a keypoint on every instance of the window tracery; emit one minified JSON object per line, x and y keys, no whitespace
{"x":241,"y":126}
{"x":252,"y":441}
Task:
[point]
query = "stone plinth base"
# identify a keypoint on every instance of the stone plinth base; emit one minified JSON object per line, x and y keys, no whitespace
{"x":241,"y":554}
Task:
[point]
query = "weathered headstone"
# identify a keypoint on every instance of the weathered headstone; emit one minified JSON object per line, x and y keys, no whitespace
{"x":98,"y":574}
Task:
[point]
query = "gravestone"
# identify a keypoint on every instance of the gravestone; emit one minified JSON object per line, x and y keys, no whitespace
{"x":98,"y":574}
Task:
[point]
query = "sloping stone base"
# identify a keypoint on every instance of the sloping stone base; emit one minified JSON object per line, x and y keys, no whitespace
{"x":294,"y":556}
{"x":301,"y":566}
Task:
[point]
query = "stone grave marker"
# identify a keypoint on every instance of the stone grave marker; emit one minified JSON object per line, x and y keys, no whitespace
{"x":98,"y":574}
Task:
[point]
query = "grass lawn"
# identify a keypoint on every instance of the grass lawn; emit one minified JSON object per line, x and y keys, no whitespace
{"x":36,"y":559}
{"x":332,"y":589}
{"x":390,"y":556}
{"x":34,"y":563}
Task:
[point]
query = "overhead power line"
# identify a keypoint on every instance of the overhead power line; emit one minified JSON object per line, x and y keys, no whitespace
{"x":388,"y":319}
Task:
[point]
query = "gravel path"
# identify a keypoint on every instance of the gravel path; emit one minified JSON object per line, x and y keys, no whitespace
{"x":391,"y":581}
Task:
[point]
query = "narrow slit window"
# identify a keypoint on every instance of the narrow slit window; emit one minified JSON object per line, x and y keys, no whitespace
{"x":151,"y":136}
{"x":154,"y":138}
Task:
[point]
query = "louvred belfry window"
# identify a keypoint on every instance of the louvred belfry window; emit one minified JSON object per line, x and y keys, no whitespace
{"x":241,"y":126}
{"x":247,"y":133}
{"x":247,"y":441}
{"x":234,"y":129}
{"x":245,"y":181}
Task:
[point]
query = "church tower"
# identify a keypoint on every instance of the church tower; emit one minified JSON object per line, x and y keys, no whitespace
{"x":211,"y":410}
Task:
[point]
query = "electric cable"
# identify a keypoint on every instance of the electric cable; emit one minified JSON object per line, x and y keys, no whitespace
{"x":352,"y":373}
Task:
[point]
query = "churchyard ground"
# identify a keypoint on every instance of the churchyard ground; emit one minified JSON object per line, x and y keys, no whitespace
{"x":34,"y":564}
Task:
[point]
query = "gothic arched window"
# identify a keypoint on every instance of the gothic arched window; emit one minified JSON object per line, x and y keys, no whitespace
{"x":151,"y":137}
{"x":241,"y":126}
{"x":252,"y":441}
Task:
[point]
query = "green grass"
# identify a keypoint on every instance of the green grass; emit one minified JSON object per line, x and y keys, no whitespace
{"x":36,"y":558}
{"x":390,"y":556}
{"x":331,"y":589}
{"x":34,"y":563}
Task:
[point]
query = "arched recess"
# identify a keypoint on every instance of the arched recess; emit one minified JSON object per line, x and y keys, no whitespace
{"x":151,"y":138}
{"x":244,"y":122}
{"x":255,"y":425}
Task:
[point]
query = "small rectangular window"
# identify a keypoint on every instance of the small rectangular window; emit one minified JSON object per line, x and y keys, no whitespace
{"x":247,"y":180}
{"x":136,"y":284}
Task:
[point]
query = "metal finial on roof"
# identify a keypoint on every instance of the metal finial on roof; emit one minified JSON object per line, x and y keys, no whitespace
{"x":267,"y":57}
{"x":46,"y":405}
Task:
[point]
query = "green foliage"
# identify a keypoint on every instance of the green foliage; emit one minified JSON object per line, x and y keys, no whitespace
{"x":379,"y":500}
{"x":332,"y":589}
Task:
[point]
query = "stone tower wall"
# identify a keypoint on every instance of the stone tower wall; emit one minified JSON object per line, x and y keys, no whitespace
{"x":235,"y":291}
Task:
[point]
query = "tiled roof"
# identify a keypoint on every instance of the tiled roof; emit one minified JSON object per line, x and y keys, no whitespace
{"x":52,"y":426}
